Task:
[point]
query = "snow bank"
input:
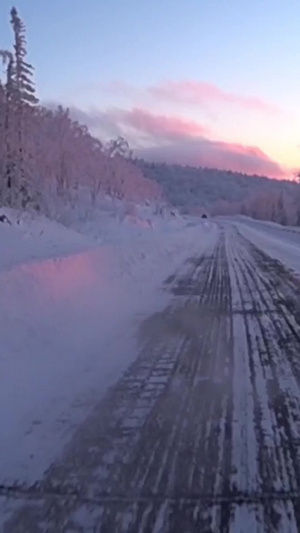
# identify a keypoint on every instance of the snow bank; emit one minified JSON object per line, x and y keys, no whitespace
{"x":31,"y":237}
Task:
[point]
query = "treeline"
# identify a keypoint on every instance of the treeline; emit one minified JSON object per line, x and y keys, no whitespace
{"x":277,"y":206}
{"x":193,"y":190}
{"x":45,"y":156}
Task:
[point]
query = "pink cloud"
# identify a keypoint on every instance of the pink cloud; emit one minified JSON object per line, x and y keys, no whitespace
{"x":174,"y":139}
{"x":186,"y":142}
{"x":197,"y":93}
{"x":114,"y":122}
{"x":190,"y":92}
{"x":159,"y":126}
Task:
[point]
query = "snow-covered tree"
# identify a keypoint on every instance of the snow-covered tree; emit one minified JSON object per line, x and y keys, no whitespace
{"x":118,"y":146}
{"x":23,"y":71}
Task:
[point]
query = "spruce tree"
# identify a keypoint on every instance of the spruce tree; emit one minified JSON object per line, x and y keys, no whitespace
{"x":23,"y":71}
{"x":21,"y":96}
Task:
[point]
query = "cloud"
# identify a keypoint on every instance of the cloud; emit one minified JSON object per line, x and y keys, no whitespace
{"x":102,"y":124}
{"x":173,"y":139}
{"x":189,"y":92}
{"x":177,"y":140}
{"x":214,"y":154}
{"x":137,"y":124}
{"x":159,"y":126}
{"x":199,"y":93}
{"x":194,"y":93}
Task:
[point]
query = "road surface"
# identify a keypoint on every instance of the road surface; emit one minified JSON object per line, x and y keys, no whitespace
{"x":202,"y":433}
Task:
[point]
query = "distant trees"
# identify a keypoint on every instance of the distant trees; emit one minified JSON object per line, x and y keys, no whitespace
{"x":226,"y":193}
{"x":46,"y":157}
{"x":274,"y":205}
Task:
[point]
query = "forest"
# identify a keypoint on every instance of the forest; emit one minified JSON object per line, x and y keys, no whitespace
{"x":194,"y":190}
{"x":47,"y":159}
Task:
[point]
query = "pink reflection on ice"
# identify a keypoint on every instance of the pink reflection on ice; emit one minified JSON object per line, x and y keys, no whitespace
{"x":75,"y":276}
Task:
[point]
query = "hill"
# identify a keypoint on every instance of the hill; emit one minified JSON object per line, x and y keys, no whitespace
{"x":188,"y":187}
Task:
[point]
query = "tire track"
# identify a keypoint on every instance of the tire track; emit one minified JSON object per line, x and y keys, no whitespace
{"x":274,"y":382}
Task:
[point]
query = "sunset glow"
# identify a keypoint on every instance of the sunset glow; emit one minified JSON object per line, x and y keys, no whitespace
{"x":210,"y":83}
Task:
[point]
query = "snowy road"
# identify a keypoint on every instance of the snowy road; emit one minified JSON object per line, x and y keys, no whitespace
{"x":202,"y":433}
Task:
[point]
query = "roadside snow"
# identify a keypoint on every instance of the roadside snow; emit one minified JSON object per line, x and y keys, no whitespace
{"x":277,"y":241}
{"x":67,"y":323}
{"x":31,"y":238}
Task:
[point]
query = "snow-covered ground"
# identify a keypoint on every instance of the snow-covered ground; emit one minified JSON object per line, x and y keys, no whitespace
{"x":280,"y":242}
{"x":70,"y":303}
{"x":70,"y":307}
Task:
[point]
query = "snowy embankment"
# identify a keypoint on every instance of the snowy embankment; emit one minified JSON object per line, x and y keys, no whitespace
{"x":69,"y":311}
{"x":280,"y":242}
